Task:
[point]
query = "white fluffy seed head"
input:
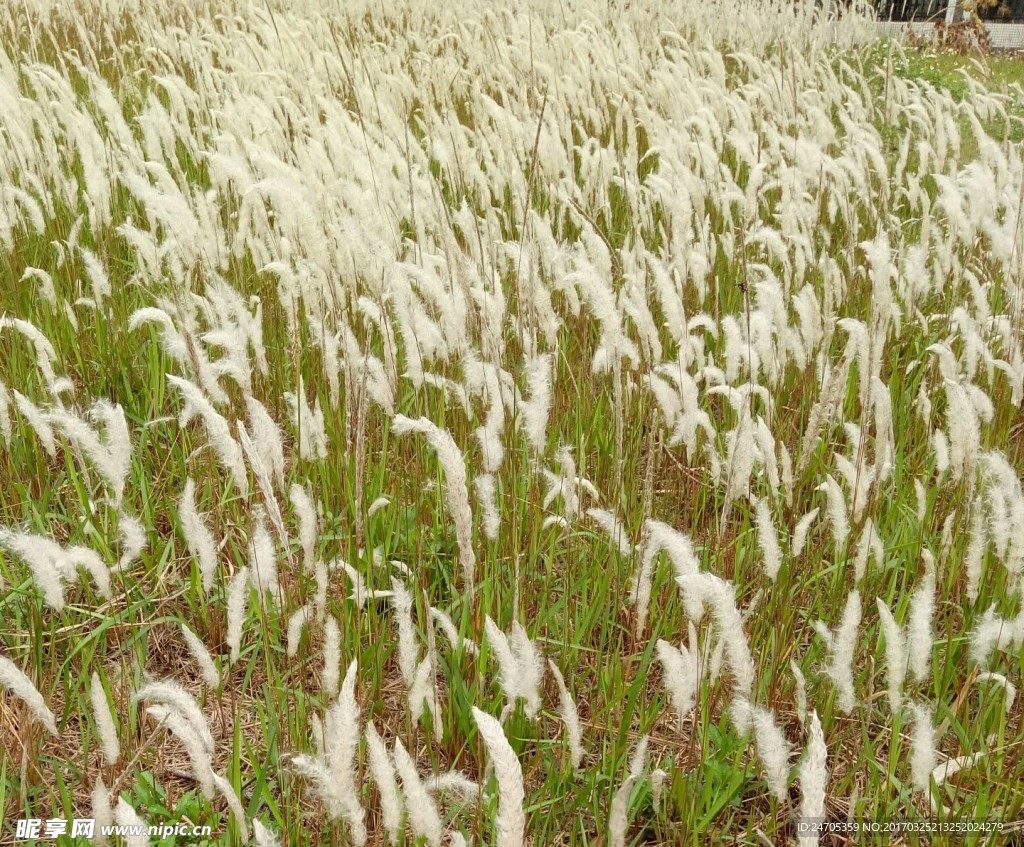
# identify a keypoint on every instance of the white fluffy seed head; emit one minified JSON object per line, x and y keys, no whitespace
{"x":297,"y":621}
{"x":510,"y":822}
{"x":456,"y":492}
{"x":680,"y":676}
{"x":767,"y":538}
{"x":198,"y":538}
{"x":263,"y":835}
{"x":408,"y":647}
{"x":237,"y":603}
{"x":105,"y":726}
{"x":126,"y":816}
{"x":102,"y":811}
{"x":570,"y":716}
{"x":535,"y":409}
{"x":201,"y":656}
{"x":332,"y":656}
{"x":919,"y":628}
{"x":306,"y":513}
{"x":383,"y":773}
{"x":14,"y":680}
{"x":813,"y":779}
{"x":842,"y":644}
{"x":774,"y":749}
{"x":424,"y":818}
{"x":895,"y":654}
{"x":923,"y":744}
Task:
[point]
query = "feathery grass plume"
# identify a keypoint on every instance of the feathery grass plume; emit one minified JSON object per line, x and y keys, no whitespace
{"x":332,"y":657}
{"x":535,"y":409}
{"x":234,"y":802}
{"x":946,"y":538}
{"x":799,"y":691}
{"x":172,"y":694}
{"x":200,"y":757}
{"x":132,"y":535}
{"x":263,"y":562}
{"x":226,"y":448}
{"x":198,"y":538}
{"x":457,"y":839}
{"x":106,"y":729}
{"x":263,"y":835}
{"x":423,"y":693}
{"x":1002,"y":682}
{"x":126,"y":816}
{"x":613,"y":526}
{"x":940,"y":447}
{"x":360,"y":593}
{"x":264,"y":484}
{"x":953,"y":766}
{"x":308,"y":526}
{"x":657,"y":777}
{"x":341,"y":743}
{"x":520,"y":666}
{"x":837,"y":514}
{"x":42,"y":556}
{"x":101,"y":810}
{"x":680,"y":674}
{"x":456,"y":785}
{"x":451,"y":632}
{"x":570,"y":717}
{"x":172,"y":342}
{"x":267,"y":439}
{"x":774,"y":749}
{"x":378,"y":504}
{"x":699,"y":589}
{"x":423,"y":815}
{"x":333,"y":770}
{"x":895,"y":654}
{"x":964,"y":431}
{"x":297,"y":621}
{"x":568,"y":483}
{"x":486,"y":495}
{"x":237,"y":602}
{"x":869,"y":543}
{"x":456,"y":492}
{"x":321,"y":579}
{"x":201,"y":656}
{"x":72,"y":558}
{"x":14,"y":680}
{"x":309,"y":423}
{"x":6,"y":430}
{"x":922,"y":501}
{"x":383,"y":774}
{"x":919,"y":627}
{"x":767,"y":538}
{"x":618,"y":816}
{"x":975,"y":556}
{"x":841,"y":646}
{"x":111,"y":456}
{"x":638,"y":759}
{"x":510,"y":821}
{"x":995,"y":633}
{"x":408,"y":649}
{"x":659,"y":537}
{"x":813,"y":775}
{"x":46,"y":356}
{"x":36,"y":419}
{"x":923,"y":744}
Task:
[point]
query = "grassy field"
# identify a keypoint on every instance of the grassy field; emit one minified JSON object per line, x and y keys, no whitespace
{"x":506,"y":425}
